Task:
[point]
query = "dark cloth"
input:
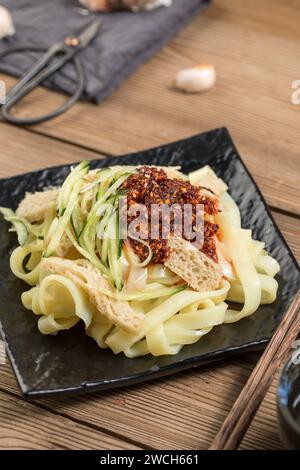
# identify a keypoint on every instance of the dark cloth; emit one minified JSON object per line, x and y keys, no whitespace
{"x":125,"y":40}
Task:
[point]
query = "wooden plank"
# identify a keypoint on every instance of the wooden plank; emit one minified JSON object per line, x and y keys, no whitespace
{"x":22,"y":151}
{"x":154,"y":406}
{"x":181,"y":412}
{"x":263,"y":432}
{"x":290,"y":227}
{"x":253,"y":99}
{"x":260,"y":380}
{"x":27,"y":152}
{"x":253,"y":48}
{"x":24,"y":426}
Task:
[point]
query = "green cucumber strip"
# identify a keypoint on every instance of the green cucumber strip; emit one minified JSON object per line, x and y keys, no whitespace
{"x":118,"y":252}
{"x":99,"y":248}
{"x":120,"y":247}
{"x":78,"y":173}
{"x":94,"y":212}
{"x":7,"y":213}
{"x":113,"y":244}
{"x":103,"y":222}
{"x":104,"y":174}
{"x":104,"y":250}
{"x":96,"y":262}
{"x":77,"y":220}
{"x":119,"y":241}
{"x":89,"y":240}
{"x":102,"y":230}
{"x":103,"y":187}
{"x":65,"y":192}
{"x":112,"y":190}
{"x":19,"y":226}
{"x":85,"y":235}
{"x":93,"y":218}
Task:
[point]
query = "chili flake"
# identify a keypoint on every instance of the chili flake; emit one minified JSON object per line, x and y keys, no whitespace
{"x":151,"y":185}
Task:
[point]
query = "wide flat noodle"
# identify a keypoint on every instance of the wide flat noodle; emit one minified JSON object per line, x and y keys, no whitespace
{"x":160,"y":315}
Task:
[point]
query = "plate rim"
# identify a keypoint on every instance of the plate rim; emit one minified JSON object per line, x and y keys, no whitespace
{"x":166,"y":370}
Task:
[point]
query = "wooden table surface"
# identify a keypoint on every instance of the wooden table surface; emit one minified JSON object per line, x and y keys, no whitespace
{"x":255,"y":48}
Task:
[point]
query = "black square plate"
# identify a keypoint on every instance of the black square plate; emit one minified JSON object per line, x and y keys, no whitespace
{"x":71,"y":361}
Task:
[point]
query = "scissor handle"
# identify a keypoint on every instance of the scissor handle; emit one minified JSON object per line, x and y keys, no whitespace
{"x":33,"y":78}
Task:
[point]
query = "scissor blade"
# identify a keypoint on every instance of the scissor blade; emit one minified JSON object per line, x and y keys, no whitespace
{"x":86,"y":36}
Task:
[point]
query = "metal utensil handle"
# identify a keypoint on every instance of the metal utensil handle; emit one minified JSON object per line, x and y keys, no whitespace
{"x":37,"y":67}
{"x":5,"y":110}
{"x":37,"y":75}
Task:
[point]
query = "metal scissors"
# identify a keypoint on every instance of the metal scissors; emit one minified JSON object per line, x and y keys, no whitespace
{"x":53,"y":59}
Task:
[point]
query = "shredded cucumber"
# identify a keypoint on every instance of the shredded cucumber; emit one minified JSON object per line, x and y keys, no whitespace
{"x":67,"y":201}
{"x":113,"y":251}
{"x":77,"y":221}
{"x":95,"y":261}
{"x":100,"y":223}
{"x":19,"y":225}
{"x":104,"y":174}
{"x":89,"y":244}
{"x":110,"y":191}
{"x":65,"y":192}
{"x":94,"y":215}
{"x":104,"y":249}
{"x":102,"y":188}
{"x":102,"y":233}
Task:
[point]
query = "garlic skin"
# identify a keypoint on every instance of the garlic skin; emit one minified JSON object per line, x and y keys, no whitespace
{"x":196,"y":79}
{"x":6,"y":23}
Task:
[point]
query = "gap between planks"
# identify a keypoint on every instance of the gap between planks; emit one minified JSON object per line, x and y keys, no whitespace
{"x":158,"y":419}
{"x":260,"y":43}
{"x":43,"y":147}
{"x":190,"y":392}
{"x":211,"y":409}
{"x":21,"y":419}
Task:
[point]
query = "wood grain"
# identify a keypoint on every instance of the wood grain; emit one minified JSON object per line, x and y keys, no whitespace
{"x":290,"y":227}
{"x":254,"y":49}
{"x":240,"y":416}
{"x":180,"y":412}
{"x":26,"y":426}
{"x":23,"y":151}
{"x":263,"y":431}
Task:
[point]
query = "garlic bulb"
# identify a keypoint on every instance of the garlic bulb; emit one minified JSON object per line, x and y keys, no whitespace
{"x":134,"y":5}
{"x":6,"y":23}
{"x":196,"y":79}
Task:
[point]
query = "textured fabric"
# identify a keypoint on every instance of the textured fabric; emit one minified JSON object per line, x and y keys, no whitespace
{"x":124,"y":42}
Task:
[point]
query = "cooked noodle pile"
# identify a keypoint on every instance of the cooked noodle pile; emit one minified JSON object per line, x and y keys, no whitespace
{"x":136,"y":296}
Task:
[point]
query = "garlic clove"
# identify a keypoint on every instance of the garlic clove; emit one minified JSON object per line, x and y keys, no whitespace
{"x":6,"y":23}
{"x":196,"y":79}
